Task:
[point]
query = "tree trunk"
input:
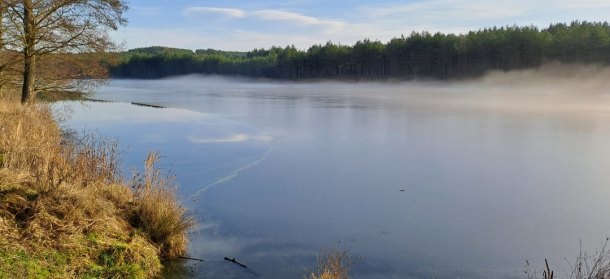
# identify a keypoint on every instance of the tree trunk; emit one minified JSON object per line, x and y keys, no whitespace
{"x":29,"y":57}
{"x":2,"y":14}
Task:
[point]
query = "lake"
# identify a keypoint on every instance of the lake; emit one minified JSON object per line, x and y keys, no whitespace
{"x":418,"y":180}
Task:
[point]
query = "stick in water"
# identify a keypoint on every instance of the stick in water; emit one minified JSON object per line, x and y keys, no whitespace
{"x":235,"y":261}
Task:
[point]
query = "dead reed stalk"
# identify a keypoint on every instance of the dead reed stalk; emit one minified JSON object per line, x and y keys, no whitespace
{"x":586,"y":266}
{"x":156,"y":211}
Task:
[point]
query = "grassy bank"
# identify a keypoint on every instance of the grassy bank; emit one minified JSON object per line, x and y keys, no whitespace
{"x":66,"y":212}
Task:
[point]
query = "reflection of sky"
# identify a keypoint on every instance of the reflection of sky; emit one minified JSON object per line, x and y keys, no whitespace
{"x":100,"y":113}
{"x":200,"y":149}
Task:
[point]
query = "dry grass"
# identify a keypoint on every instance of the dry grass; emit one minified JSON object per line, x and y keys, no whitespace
{"x":66,"y":212}
{"x":157,"y":212}
{"x":586,"y":266}
{"x":9,"y":93}
{"x":333,"y":264}
{"x":596,"y":266}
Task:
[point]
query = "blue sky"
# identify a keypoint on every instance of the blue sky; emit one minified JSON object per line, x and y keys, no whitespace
{"x":244,"y":25}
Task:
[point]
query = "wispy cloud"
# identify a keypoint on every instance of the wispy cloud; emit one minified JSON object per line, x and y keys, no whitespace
{"x":237,"y":13}
{"x":330,"y":26}
{"x":452,"y":9}
{"x":584,"y":4}
{"x":300,"y":19}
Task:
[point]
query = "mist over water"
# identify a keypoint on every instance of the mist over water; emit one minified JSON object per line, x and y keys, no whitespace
{"x":552,"y":87}
{"x":495,"y":170}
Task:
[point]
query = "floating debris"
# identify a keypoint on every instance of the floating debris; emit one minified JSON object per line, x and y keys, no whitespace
{"x":233,"y":260}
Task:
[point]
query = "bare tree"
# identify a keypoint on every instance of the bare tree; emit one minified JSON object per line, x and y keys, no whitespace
{"x":60,"y":35}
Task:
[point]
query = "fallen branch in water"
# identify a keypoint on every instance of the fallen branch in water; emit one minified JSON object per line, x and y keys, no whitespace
{"x":233,"y":260}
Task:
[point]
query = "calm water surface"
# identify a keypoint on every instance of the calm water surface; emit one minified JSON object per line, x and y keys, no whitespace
{"x":276,"y":171}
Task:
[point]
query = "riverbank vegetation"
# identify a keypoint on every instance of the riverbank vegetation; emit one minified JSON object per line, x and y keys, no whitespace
{"x":66,"y":212}
{"x":418,"y":55}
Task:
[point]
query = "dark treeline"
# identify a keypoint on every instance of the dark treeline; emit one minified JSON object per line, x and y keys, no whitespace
{"x":419,"y":55}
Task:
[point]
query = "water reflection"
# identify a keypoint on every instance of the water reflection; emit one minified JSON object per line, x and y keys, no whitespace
{"x":489,"y":181}
{"x":204,"y":149}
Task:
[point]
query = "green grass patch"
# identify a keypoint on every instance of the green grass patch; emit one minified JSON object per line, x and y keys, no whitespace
{"x":25,"y":265}
{"x":117,"y":261}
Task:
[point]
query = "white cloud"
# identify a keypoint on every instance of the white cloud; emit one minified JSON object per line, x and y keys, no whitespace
{"x":286,"y":16}
{"x":230,"y":138}
{"x":237,"y":13}
{"x":330,"y":26}
{"x":584,"y":4}
{"x":300,"y":19}
{"x":452,"y":9}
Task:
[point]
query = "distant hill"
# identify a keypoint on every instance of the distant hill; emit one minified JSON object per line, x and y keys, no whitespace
{"x":210,"y":51}
{"x":159,"y":50}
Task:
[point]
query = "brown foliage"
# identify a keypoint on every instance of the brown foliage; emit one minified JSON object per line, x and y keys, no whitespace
{"x":66,"y":196}
{"x":157,"y":212}
{"x":333,"y":264}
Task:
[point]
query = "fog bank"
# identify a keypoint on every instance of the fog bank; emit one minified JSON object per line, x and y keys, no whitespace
{"x":553,"y":87}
